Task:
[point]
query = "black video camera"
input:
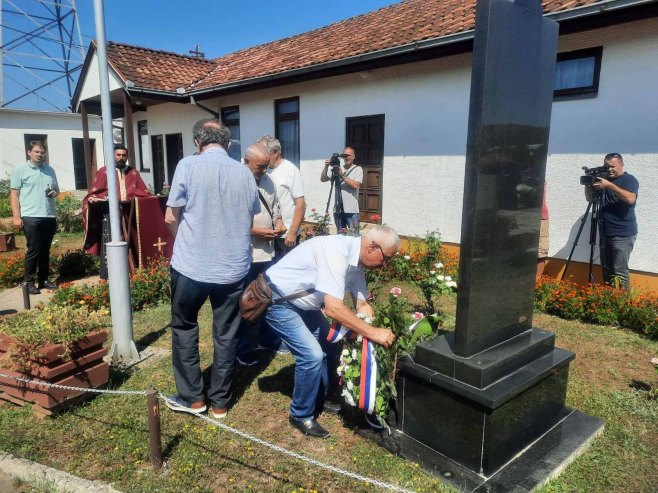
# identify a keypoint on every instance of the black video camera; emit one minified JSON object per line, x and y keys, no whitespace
{"x":335,"y":162}
{"x":593,"y":174}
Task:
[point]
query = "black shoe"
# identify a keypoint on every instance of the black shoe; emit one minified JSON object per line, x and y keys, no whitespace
{"x":32,"y":289}
{"x":48,"y":285}
{"x":331,"y":407}
{"x":250,"y":358}
{"x":310,"y":427}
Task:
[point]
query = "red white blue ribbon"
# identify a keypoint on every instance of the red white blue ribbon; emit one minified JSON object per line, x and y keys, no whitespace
{"x":368,"y":383}
{"x":338,"y":332}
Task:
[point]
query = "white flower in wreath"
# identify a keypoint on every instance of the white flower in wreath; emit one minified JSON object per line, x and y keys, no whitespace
{"x":348,"y":397}
{"x":340,"y":370}
{"x":432,"y":272}
{"x":354,"y":355}
{"x":451,"y":284}
{"x":359,"y":338}
{"x":350,"y":385}
{"x":346,"y":352}
{"x":407,"y":257}
{"x":448,"y":278}
{"x":438,"y":265}
{"x":441,"y":278}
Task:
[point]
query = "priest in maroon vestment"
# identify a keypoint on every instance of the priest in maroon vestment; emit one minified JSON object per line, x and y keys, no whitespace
{"x":129,"y":186}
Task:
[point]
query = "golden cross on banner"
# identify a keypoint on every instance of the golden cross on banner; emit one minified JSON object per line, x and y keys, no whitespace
{"x":160,"y":244}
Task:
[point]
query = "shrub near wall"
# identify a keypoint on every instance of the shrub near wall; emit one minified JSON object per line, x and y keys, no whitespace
{"x":599,"y":304}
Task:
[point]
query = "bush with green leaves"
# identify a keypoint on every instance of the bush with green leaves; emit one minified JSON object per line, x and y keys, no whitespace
{"x":69,"y":214}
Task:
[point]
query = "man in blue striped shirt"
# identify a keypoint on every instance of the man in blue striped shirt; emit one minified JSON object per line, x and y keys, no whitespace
{"x":210,"y":209}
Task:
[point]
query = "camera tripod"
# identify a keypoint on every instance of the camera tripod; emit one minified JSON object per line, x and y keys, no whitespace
{"x":596,"y":227}
{"x":335,"y":184}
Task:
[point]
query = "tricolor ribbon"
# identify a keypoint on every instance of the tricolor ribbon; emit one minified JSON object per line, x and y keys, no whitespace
{"x":368,"y":382}
{"x":338,"y":332}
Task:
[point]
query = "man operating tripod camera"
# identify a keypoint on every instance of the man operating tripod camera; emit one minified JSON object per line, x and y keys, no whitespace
{"x":618,"y":195}
{"x":346,"y":203}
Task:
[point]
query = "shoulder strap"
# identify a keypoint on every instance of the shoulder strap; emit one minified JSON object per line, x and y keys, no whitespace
{"x":300,"y":294}
{"x":267,"y":207}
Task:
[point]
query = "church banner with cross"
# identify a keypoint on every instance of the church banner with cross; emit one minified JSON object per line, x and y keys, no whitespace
{"x":149,"y":231}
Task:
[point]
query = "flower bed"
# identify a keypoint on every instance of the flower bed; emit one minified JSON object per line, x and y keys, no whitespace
{"x":599,"y":304}
{"x":71,"y":264}
{"x":149,"y":286}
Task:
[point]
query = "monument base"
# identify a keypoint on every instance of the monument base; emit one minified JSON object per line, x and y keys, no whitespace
{"x":541,"y":461}
{"x":513,"y":428}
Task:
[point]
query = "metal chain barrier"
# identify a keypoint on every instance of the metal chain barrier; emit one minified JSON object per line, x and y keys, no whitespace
{"x":295,"y":455}
{"x":225,"y":427}
{"x":68,"y":387}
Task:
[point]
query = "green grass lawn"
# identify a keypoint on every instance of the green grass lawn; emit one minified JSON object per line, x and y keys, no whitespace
{"x":106,"y":438}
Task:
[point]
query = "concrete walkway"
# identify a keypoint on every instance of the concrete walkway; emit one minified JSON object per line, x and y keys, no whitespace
{"x":11,"y":300}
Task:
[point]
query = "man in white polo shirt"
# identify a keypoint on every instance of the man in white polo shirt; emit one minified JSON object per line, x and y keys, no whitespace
{"x":325,"y":266}
{"x":290,"y":190}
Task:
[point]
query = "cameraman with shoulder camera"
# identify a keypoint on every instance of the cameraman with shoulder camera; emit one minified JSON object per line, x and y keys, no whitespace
{"x":350,"y":180}
{"x":618,"y":198}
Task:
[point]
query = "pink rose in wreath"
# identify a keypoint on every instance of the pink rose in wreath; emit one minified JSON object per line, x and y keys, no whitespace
{"x":395,"y":291}
{"x":418,"y":316}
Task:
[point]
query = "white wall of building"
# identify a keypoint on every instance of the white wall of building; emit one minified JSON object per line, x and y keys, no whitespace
{"x":60,"y":128}
{"x":426,"y":115}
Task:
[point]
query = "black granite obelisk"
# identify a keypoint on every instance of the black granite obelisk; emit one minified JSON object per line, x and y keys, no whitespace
{"x":485,"y":405}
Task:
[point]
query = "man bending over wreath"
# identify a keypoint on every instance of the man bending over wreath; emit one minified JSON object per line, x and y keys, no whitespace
{"x":324,"y":266}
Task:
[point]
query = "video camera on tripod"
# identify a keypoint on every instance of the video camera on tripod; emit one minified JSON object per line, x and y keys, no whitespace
{"x":334,"y":162}
{"x":593,"y":174}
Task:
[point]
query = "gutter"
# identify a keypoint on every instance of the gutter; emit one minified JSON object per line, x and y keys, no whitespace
{"x":451,"y":39}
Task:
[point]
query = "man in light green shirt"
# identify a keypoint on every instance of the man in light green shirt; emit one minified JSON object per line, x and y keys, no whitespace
{"x":33,"y":191}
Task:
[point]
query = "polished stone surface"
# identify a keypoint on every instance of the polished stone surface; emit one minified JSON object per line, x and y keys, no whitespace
{"x":476,"y":436}
{"x":541,"y":461}
{"x":500,"y":391}
{"x":488,"y":366}
{"x":509,"y":120}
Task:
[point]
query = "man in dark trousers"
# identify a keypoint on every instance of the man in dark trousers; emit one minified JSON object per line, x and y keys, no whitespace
{"x":210,"y":210}
{"x":33,"y":191}
{"x":619,"y":196}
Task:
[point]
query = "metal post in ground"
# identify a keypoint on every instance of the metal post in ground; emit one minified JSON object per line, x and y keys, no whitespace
{"x":26,"y":296}
{"x":123,"y":347}
{"x":155,"y":439}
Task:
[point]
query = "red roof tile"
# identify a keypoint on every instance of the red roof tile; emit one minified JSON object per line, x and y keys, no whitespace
{"x":397,"y":25}
{"x":157,"y":69}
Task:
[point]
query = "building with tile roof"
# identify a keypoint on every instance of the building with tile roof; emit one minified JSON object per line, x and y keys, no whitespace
{"x":394,"y":83}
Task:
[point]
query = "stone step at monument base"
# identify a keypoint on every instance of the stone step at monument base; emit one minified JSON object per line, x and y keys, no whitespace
{"x":542,"y":460}
{"x":486,"y":367}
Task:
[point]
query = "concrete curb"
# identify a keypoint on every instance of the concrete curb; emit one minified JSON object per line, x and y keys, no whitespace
{"x":29,"y":471}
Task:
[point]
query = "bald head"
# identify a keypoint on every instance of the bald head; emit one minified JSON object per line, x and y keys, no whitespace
{"x":257,"y":158}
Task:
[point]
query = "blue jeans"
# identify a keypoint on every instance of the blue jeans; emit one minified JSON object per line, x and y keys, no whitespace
{"x":266,"y":337}
{"x":305,"y":334}
{"x":615,"y":252}
{"x":347,"y":220}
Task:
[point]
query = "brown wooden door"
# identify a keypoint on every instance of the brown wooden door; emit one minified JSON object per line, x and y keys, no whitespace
{"x":157,"y":151}
{"x":365,"y":134}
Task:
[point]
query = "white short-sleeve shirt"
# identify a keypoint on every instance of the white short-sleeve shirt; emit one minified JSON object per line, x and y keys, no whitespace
{"x":328,"y":264}
{"x":289,"y":186}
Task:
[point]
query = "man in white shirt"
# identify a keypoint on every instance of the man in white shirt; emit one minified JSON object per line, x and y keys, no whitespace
{"x":267,"y":225}
{"x":290,"y":190}
{"x":324,"y":266}
{"x":350,"y":180}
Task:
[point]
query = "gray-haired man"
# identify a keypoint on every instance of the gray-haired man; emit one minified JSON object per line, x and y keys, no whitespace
{"x":210,"y":209}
